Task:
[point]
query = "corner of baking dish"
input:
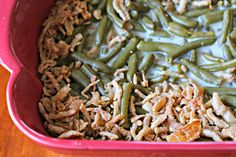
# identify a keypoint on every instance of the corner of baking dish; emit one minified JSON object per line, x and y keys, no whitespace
{"x":8,"y":60}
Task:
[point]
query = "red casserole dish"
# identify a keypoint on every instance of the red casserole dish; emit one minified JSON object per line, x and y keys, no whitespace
{"x":20,"y":23}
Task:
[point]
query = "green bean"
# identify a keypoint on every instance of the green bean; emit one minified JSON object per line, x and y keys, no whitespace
{"x":196,"y":34}
{"x":112,"y":52}
{"x":138,"y":27}
{"x":80,"y":77}
{"x":220,"y":66}
{"x":229,"y":100}
{"x":80,"y":47}
{"x":92,"y":62}
{"x":182,"y":20}
{"x":153,"y":3}
{"x":146,"y":62}
{"x":125,"y":53}
{"x":158,"y":79}
{"x":221,"y":90}
{"x":75,"y":88}
{"x":127,"y":89}
{"x":178,"y":29}
{"x":212,"y":58}
{"x":105,"y":78}
{"x":233,"y":1}
{"x":161,"y":14}
{"x":112,"y":15}
{"x":212,"y":17}
{"x":136,"y":6}
{"x":132,"y":64}
{"x":197,"y":12}
{"x":226,"y":52}
{"x":147,"y":23}
{"x":160,"y":67}
{"x":90,"y":72}
{"x":160,"y":33}
{"x":77,"y":30}
{"x":201,"y":73}
{"x":226,"y":25}
{"x":232,"y":46}
{"x":64,"y":61}
{"x":102,"y":5}
{"x":189,"y":46}
{"x":142,"y":89}
{"x":193,"y":57}
{"x":149,"y":46}
{"x":95,"y":2}
{"x":102,"y":30}
{"x":233,"y":33}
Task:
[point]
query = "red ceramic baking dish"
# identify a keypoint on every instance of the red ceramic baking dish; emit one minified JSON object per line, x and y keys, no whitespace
{"x":20,"y":25}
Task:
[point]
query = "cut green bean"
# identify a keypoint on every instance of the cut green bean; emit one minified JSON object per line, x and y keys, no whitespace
{"x":127,"y":89}
{"x":160,"y":33}
{"x":226,"y":25}
{"x":212,"y":17}
{"x":233,"y":34}
{"x":201,"y":73}
{"x":90,"y":72}
{"x":220,"y":66}
{"x":229,"y":100}
{"x":125,"y":53}
{"x":178,"y":29}
{"x":153,"y":3}
{"x":197,"y":12}
{"x":149,"y":46}
{"x":102,"y":30}
{"x":162,"y":15}
{"x":132,"y":64}
{"x":221,"y":90}
{"x":183,"y":20}
{"x":100,"y":66}
{"x":136,"y":6}
{"x":193,"y":57}
{"x":80,"y":77}
{"x":112,"y":52}
{"x":158,"y":79}
{"x":142,"y":89}
{"x":189,"y":46}
{"x":196,"y":34}
{"x":138,"y":27}
{"x":226,"y":52}
{"x":146,"y":62}
{"x":95,"y":2}
{"x":102,"y":5}
{"x":112,"y":15}
{"x":147,"y":23}
{"x":232,"y":46}
{"x":212,"y":58}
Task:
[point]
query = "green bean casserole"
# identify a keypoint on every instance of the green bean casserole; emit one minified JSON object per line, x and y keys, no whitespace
{"x":142,"y":70}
